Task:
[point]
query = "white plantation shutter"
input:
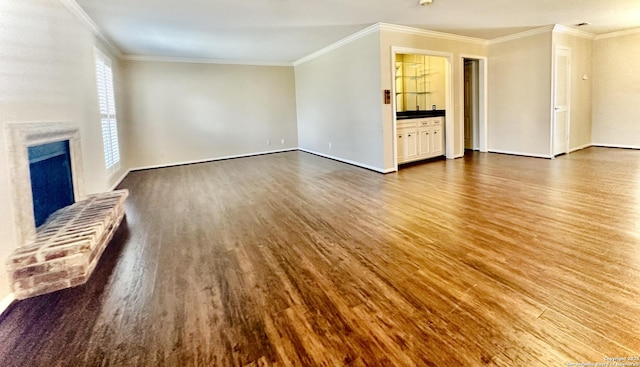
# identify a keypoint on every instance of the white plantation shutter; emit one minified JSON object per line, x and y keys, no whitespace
{"x":106,"y":99}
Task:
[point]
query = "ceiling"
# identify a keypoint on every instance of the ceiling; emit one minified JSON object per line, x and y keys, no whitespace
{"x":273,"y":31}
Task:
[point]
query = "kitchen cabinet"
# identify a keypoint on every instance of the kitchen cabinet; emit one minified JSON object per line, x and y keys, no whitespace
{"x":418,"y":139}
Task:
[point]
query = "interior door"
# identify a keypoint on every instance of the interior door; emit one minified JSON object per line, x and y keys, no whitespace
{"x":468,"y":126}
{"x":562,"y":98}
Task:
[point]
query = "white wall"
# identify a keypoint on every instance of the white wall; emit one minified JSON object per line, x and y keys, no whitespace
{"x":616,"y":91}
{"x":47,"y":74}
{"x":181,"y":112}
{"x":338,"y":95}
{"x":520,"y":95}
{"x":391,"y":38}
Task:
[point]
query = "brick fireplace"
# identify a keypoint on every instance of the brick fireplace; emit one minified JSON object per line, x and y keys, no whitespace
{"x":20,"y":137}
{"x":64,"y":251}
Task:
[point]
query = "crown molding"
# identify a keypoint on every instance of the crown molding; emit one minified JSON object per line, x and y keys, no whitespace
{"x":618,"y":34}
{"x":529,"y":33}
{"x":391,"y":28}
{"x":433,"y":34}
{"x":361,"y":33}
{"x":84,"y":18}
{"x":190,"y":60}
{"x":573,"y":32}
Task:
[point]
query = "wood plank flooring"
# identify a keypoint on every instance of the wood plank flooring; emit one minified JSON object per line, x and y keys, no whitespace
{"x":291,"y":259}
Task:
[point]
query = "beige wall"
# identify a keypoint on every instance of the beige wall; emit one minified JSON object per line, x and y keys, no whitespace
{"x":47,"y":75}
{"x":616,"y":92}
{"x":581,"y":106}
{"x":181,"y":112}
{"x":389,"y":39}
{"x":520,"y":96}
{"x":338,"y":98}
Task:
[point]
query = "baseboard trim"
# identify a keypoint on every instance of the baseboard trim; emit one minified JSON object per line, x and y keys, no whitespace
{"x":6,"y":302}
{"x":580,"y":147}
{"x":165,"y":165}
{"x":348,"y":161}
{"x":621,"y":146}
{"x":119,"y":180}
{"x":533,"y":155}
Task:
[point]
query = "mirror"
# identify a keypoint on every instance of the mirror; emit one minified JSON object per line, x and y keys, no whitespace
{"x":420,"y":82}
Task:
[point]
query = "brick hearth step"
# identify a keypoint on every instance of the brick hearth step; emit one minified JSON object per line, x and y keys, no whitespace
{"x":67,"y":246}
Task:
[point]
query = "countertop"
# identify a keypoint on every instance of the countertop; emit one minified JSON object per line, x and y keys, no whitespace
{"x":403,"y":115}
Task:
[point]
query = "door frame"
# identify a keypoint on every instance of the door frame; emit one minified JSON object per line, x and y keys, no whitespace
{"x":482,"y":100}
{"x":448,"y":83}
{"x":556,"y":49}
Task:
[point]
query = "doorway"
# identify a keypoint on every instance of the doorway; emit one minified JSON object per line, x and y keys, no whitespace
{"x":471,"y":94}
{"x":426,"y":94}
{"x":473,"y":103}
{"x":561,"y":100}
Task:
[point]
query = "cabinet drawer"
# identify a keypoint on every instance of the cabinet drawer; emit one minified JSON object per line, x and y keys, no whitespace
{"x":407,"y":124}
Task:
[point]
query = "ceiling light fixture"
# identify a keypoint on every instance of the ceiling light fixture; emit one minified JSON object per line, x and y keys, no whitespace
{"x":425,"y":2}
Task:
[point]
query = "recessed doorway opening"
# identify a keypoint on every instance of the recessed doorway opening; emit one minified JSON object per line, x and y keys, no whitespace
{"x":473,"y":108}
{"x":422,"y":105}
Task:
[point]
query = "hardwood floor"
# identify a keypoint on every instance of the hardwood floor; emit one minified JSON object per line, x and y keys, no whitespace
{"x":291,"y":259}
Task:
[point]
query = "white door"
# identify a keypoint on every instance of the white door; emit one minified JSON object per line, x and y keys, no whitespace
{"x":401,"y":148}
{"x":438,"y":141}
{"x":562,"y":98}
{"x":424,"y":142}
{"x":411,"y":144}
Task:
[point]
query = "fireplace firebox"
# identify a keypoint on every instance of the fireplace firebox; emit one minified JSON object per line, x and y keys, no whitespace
{"x":51,"y":180}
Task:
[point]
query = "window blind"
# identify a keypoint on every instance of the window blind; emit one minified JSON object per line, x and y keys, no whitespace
{"x":106,"y":100}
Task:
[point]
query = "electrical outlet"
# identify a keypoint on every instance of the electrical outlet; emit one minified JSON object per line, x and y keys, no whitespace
{"x":329,"y":145}
{"x":269,"y":142}
{"x":282,"y":141}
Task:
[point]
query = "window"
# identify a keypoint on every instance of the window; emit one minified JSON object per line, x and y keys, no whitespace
{"x":108,"y":121}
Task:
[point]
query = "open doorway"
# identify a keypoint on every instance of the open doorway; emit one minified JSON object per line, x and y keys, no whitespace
{"x":471,"y":104}
{"x":562,"y":100}
{"x":422,"y":105}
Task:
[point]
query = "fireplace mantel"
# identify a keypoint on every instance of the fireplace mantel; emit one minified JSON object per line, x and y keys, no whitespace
{"x":19,"y":137}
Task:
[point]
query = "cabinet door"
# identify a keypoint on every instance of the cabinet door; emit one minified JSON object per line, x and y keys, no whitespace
{"x":424,"y":142}
{"x":437,"y":142}
{"x":401,"y":148}
{"x":411,"y":144}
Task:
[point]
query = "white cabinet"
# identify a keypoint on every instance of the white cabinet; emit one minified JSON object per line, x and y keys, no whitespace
{"x":425,"y":140}
{"x":419,"y":139}
{"x":408,"y":144}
